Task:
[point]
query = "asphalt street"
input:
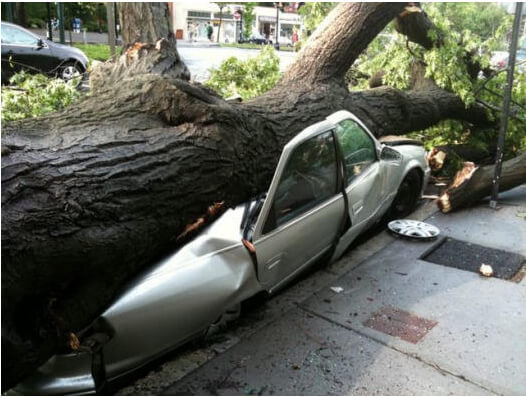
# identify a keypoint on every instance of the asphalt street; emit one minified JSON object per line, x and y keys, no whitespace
{"x":200,"y":58}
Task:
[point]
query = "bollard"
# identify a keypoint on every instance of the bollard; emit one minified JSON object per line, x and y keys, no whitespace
{"x":84,"y":38}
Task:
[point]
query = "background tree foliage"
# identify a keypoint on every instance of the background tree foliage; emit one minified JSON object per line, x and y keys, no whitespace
{"x":92,"y":14}
{"x":313,"y":13}
{"x":248,"y":18}
{"x":474,"y":31}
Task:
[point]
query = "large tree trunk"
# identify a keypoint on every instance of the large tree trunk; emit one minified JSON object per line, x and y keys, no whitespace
{"x":95,"y":193}
{"x":146,"y":30}
{"x":145,"y":23}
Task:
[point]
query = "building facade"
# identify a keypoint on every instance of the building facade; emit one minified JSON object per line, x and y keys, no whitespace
{"x":191,"y":18}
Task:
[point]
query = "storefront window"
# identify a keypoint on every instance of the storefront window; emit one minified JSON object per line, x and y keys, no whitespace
{"x":286,"y":30}
{"x":199,"y":14}
{"x":196,"y":29}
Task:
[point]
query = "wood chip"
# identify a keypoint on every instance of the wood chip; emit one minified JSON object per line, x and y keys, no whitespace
{"x":486,"y":270}
{"x":74,"y":342}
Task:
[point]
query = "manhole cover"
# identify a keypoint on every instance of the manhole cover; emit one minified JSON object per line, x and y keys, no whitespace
{"x":413,"y":229}
{"x":468,"y":256}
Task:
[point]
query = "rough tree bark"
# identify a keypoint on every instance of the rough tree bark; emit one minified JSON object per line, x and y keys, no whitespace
{"x":146,"y":30}
{"x":95,"y":193}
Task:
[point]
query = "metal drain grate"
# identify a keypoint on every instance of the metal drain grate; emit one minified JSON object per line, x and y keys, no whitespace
{"x":399,"y":323}
{"x":468,"y":256}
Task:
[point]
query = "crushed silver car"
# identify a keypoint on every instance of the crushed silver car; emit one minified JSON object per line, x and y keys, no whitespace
{"x":332,"y":182}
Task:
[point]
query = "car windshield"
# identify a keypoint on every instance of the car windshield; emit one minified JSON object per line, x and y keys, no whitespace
{"x":12,"y":35}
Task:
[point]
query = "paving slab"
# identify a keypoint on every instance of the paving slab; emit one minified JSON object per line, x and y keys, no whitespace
{"x":502,"y":229}
{"x":481,"y":323}
{"x":303,"y":354}
{"x":515,"y":196}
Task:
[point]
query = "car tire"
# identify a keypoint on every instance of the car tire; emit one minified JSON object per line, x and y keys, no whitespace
{"x":70,"y":70}
{"x":406,"y":197}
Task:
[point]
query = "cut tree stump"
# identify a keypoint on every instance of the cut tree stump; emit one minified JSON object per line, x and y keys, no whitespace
{"x":474,"y":183}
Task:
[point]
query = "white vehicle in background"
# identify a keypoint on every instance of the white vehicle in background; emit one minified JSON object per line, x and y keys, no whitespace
{"x":499,"y":59}
{"x":285,"y":41}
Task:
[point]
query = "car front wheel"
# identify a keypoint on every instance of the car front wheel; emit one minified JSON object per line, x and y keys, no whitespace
{"x":407,"y":196}
{"x":70,"y":70}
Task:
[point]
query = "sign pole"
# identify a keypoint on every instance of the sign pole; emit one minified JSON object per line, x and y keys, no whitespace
{"x":506,"y":105}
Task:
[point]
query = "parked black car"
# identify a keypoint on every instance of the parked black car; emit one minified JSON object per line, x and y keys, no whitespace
{"x":23,"y":50}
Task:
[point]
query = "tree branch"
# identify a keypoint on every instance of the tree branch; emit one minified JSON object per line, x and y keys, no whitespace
{"x":337,"y":42}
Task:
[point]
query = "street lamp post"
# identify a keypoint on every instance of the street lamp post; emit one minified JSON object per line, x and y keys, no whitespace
{"x":60,"y":12}
{"x":9,"y":11}
{"x":276,"y":44}
{"x":49,"y":24}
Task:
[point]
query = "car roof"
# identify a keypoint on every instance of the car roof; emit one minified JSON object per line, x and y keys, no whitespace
{"x":12,"y":24}
{"x":322,"y":126}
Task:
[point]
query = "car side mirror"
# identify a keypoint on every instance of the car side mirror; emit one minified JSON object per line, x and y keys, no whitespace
{"x":390,"y":154}
{"x":40,"y":43}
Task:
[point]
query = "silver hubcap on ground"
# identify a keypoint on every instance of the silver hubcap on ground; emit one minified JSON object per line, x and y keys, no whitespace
{"x":413,"y":229}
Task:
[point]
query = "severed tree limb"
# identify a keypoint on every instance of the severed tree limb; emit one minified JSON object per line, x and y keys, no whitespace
{"x":414,"y":23}
{"x":474,"y":183}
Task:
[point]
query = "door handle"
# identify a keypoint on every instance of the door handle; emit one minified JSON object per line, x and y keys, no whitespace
{"x":273,"y":262}
{"x":356,"y":208}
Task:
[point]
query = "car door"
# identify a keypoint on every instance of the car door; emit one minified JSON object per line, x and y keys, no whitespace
{"x":22,"y":51}
{"x":303,"y":212}
{"x":364,"y":177}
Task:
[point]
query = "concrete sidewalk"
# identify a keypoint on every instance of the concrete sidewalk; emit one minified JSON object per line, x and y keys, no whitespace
{"x":462,"y":333}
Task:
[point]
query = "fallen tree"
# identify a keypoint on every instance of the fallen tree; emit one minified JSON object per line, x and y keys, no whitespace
{"x":93,"y":194}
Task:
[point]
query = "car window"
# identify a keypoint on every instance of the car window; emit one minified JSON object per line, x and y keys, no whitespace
{"x":309,"y":178}
{"x":358,"y":148}
{"x":12,"y":35}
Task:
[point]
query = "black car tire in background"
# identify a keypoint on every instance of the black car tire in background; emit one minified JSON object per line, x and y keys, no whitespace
{"x":70,"y":70}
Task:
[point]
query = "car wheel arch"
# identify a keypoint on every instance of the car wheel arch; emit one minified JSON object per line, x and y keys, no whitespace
{"x":396,"y":209}
{"x":75,"y":61}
